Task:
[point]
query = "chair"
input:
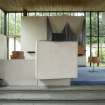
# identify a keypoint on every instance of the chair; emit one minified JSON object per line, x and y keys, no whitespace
{"x":94,"y":60}
{"x":17,"y":55}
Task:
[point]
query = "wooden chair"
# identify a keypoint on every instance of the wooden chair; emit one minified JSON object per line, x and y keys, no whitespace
{"x":94,"y":60}
{"x":17,"y":55}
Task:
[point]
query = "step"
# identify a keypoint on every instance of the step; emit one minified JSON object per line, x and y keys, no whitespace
{"x":74,"y":95}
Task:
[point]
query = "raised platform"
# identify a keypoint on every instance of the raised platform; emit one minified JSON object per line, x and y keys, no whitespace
{"x":74,"y":95}
{"x":86,"y":76}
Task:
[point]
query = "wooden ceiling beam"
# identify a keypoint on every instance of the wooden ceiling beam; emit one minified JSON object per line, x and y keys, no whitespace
{"x":52,"y":5}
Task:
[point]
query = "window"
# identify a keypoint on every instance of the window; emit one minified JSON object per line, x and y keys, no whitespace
{"x":95,"y":35}
{"x":53,"y":14}
{"x":102,"y":37}
{"x":14,"y":44}
{"x":39,"y":13}
{"x":14,"y":31}
{"x":46,"y":13}
{"x":1,"y":22}
{"x":31,"y":14}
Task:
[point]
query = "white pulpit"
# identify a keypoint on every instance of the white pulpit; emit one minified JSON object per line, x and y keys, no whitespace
{"x":56,"y":62}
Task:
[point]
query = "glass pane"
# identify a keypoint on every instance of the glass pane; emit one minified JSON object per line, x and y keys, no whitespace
{"x":7,"y":24}
{"x":18,"y":45}
{"x":11,"y":46}
{"x":94,"y":46}
{"x":59,"y":13}
{"x":87,"y":24}
{"x":39,"y":14}
{"x":102,"y":23}
{"x":76,"y":14}
{"x":94,"y":23}
{"x":66,"y":13}
{"x":11,"y":24}
{"x":102,"y":50}
{"x":18,"y":24}
{"x":87,"y":49}
{"x":53,"y":13}
{"x":80,"y":14}
{"x":31,"y":14}
{"x":46,"y":13}
{"x":72,"y":14}
{"x":1,"y":22}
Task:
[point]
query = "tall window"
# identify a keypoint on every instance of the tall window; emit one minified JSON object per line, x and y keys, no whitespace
{"x":95,"y":35}
{"x":1,"y":22}
{"x":88,"y":38}
{"x":102,"y":37}
{"x":14,"y":31}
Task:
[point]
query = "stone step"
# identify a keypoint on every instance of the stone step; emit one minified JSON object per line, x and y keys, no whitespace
{"x":78,"y":95}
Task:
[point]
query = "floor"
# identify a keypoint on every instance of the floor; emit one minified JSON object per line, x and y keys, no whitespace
{"x":86,"y":76}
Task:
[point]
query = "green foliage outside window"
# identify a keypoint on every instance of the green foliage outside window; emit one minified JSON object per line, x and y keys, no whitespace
{"x":14,"y":24}
{"x":1,"y":22}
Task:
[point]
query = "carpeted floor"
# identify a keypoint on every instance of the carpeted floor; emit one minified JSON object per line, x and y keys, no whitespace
{"x":87,"y":77}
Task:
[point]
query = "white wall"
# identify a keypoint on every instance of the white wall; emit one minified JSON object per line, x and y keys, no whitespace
{"x":3,"y":47}
{"x":18,"y":72}
{"x":33,"y":28}
{"x":22,"y":73}
{"x":3,"y":52}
